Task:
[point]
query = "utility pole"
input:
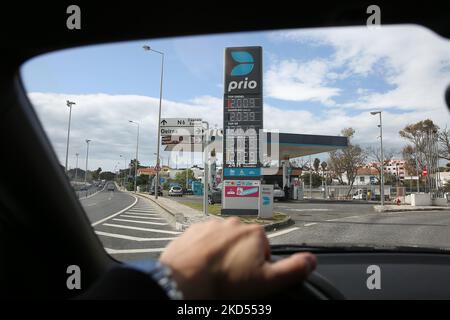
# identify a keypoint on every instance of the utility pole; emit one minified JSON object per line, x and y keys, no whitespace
{"x":382,"y":157}
{"x":76,"y":167}
{"x":158,"y":142}
{"x":69,"y":104}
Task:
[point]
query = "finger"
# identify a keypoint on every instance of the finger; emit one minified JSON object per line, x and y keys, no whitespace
{"x":291,"y":270}
{"x":233,"y":220}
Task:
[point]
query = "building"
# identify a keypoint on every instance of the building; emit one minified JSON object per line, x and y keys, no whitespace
{"x":146,"y":171}
{"x":394,"y":167}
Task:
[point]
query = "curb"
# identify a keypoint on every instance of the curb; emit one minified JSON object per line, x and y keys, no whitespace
{"x":181,"y":222}
{"x":379,"y":210}
{"x":277,"y":225}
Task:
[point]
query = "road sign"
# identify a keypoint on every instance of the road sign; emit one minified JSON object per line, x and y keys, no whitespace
{"x":173,"y":139}
{"x":181,"y":131}
{"x":424,"y":171}
{"x":181,"y":122}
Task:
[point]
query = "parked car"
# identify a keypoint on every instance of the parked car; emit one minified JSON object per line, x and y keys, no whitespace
{"x":215,"y":195}
{"x":152,"y":191}
{"x":278,"y":193}
{"x":188,"y":191}
{"x":176,"y":191}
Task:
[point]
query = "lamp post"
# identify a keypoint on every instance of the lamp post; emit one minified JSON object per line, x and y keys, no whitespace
{"x":87,"y":157}
{"x":69,"y":104}
{"x":382,"y":156}
{"x":76,"y":166}
{"x":158,"y":167}
{"x":137,"y":151}
{"x":125,"y":169}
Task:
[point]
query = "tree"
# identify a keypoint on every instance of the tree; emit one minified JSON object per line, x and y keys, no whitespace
{"x":444,"y":144}
{"x":180,"y":177}
{"x":417,"y":153}
{"x":316,"y":164}
{"x":142,"y":180}
{"x":107,"y":175}
{"x":347,"y":160}
{"x":418,"y":135}
{"x":375,"y":155}
{"x":96,"y":174}
{"x":132,"y":166}
{"x":316,"y":179}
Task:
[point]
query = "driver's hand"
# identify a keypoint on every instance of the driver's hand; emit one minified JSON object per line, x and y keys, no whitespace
{"x":227,"y":259}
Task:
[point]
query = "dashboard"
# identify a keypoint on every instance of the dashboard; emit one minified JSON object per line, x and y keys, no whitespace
{"x":382,"y":275}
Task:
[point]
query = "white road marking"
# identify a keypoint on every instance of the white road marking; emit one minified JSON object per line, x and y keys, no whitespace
{"x":312,"y":209}
{"x":138,"y":217}
{"x":310,"y":224}
{"x":141,"y":229}
{"x":114,"y":251}
{"x":337,"y":219}
{"x":142,"y":211}
{"x":122,"y":236}
{"x":117,"y":213}
{"x":92,"y":204}
{"x":143,"y":214}
{"x":280,"y":233}
{"x":142,"y":222}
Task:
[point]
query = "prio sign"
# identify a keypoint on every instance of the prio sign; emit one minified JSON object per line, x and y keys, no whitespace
{"x":243,"y":112}
{"x":242,"y":85}
{"x":243,"y":70}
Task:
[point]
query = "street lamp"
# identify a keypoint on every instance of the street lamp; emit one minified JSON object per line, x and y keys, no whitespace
{"x":69,"y":104}
{"x":76,"y":166}
{"x":125,"y":169}
{"x":382,"y":156}
{"x":87,"y":157}
{"x":148,"y":48}
{"x":137,"y":150}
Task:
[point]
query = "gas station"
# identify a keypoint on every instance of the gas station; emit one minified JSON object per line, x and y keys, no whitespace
{"x":249,"y":152}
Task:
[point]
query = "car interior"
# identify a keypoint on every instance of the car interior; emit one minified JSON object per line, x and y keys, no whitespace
{"x":36,"y":196}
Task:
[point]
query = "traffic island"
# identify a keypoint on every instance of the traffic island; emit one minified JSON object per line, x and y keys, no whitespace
{"x":404,"y":208}
{"x":190,"y":212}
{"x":278,"y":221}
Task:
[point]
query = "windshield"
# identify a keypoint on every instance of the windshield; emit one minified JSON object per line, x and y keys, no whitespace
{"x":349,"y":122}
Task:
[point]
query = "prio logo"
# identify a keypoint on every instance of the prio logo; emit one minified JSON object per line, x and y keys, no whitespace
{"x":245,"y":66}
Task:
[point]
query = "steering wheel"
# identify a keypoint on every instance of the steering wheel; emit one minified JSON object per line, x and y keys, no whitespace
{"x":316,"y":287}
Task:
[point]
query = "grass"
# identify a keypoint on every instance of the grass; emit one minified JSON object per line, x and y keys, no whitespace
{"x":215,"y":210}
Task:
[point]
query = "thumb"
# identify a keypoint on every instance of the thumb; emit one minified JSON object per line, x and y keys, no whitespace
{"x":289,"y":271}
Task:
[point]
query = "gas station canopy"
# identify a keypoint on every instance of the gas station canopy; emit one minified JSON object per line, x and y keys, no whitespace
{"x":298,"y":145}
{"x":290,"y":145}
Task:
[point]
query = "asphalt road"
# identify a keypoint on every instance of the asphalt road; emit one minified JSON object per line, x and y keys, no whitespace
{"x":134,"y":228}
{"x":129,"y":227}
{"x":350,"y":223}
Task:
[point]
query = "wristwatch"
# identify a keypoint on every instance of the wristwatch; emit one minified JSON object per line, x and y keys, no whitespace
{"x":162,"y":275}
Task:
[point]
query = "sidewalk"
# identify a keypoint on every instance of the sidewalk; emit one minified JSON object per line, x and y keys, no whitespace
{"x":402,"y":208}
{"x":185,"y":216}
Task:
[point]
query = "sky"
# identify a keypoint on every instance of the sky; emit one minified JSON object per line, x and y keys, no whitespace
{"x":315,"y":81}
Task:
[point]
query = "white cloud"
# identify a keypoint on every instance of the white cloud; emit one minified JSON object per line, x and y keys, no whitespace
{"x":292,"y":80}
{"x":104,"y":119}
{"x":411,"y":59}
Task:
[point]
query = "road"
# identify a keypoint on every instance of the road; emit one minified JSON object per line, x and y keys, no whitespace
{"x":129,"y":227}
{"x":349,"y":223}
{"x":134,"y":228}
